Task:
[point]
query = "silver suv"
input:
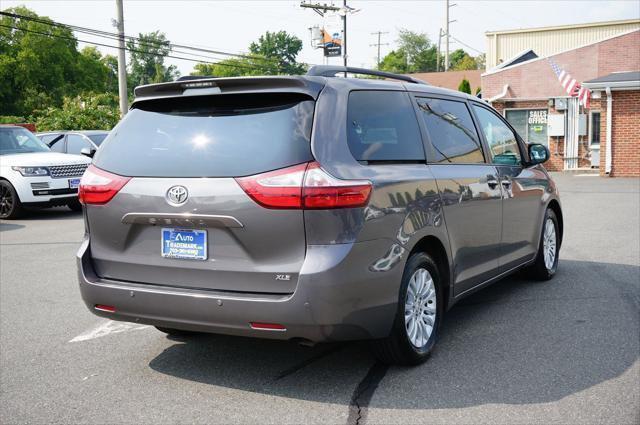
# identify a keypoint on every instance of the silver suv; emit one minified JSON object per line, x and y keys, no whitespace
{"x":311,"y":208}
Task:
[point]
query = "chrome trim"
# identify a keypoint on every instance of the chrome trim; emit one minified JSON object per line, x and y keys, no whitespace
{"x":182,"y":219}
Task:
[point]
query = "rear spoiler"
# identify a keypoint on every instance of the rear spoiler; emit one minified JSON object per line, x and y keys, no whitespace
{"x":211,"y":86}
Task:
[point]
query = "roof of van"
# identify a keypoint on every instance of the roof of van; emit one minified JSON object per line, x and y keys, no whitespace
{"x":303,"y":84}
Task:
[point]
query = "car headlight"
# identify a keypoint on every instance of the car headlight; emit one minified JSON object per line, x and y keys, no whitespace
{"x":32,"y":171}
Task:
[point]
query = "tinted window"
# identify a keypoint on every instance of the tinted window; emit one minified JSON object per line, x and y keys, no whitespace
{"x":75,"y":143}
{"x":48,"y":138}
{"x":216,"y":136}
{"x":501,"y":140}
{"x":18,"y":140}
{"x":451,"y":131}
{"x":57,"y":145}
{"x":382,"y":126}
{"x":97,"y":138}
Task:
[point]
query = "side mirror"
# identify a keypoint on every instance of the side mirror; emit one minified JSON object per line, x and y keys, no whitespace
{"x":538,"y":154}
{"x":88,"y":152}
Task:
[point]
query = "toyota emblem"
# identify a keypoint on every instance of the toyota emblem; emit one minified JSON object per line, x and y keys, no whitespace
{"x":177,"y":195}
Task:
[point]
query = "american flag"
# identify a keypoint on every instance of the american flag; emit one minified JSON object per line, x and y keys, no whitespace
{"x":571,"y":86}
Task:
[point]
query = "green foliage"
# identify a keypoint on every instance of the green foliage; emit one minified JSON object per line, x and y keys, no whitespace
{"x":279,"y":50}
{"x":415,"y":53}
{"x":478,"y":90}
{"x":89,"y":111}
{"x":460,"y":60}
{"x":273,"y":54}
{"x":464,"y":86}
{"x":147,"y":60}
{"x":40,"y":64}
{"x":11,"y":119}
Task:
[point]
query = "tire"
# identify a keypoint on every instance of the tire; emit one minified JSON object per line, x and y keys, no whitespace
{"x":174,"y":332}
{"x":75,"y":205}
{"x":398,"y":347}
{"x":10,"y":205}
{"x":543,"y":268}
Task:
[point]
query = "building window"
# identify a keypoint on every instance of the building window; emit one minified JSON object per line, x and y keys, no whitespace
{"x":531,"y":124}
{"x":594,"y":134}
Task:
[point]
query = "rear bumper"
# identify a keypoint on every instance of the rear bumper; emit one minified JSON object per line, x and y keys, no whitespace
{"x":338,"y":297}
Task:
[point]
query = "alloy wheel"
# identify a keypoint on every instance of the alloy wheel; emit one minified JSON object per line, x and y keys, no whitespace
{"x":6,"y":201}
{"x":420,"y":308}
{"x":549,"y":244}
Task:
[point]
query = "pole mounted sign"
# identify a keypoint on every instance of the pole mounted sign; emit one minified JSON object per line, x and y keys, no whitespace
{"x":332,"y":43}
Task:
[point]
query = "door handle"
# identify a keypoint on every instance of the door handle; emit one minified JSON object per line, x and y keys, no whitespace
{"x":492,"y":182}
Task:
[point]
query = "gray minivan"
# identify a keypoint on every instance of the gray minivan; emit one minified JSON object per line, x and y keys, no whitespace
{"x":311,"y":208}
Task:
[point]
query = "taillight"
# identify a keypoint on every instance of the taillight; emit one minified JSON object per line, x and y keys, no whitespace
{"x":305,"y":186}
{"x":322,"y":191}
{"x":97,"y":187}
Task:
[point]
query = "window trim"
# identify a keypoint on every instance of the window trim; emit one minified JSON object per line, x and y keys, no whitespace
{"x":429,"y":149}
{"x":373,"y":162}
{"x":524,"y":157}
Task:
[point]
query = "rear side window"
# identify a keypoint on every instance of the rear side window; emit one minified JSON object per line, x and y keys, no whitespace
{"x":210,"y":136}
{"x":451,"y":131}
{"x":382,"y":126}
{"x":75,"y":144}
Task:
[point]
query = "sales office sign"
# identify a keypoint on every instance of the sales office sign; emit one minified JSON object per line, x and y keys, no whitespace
{"x":537,"y":120}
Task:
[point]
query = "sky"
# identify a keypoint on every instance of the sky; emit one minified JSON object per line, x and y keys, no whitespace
{"x":231,"y":26}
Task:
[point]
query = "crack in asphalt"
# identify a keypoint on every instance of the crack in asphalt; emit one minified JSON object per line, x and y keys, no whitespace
{"x":364,"y":392}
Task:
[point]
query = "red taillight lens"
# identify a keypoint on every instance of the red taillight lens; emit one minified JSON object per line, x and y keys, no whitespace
{"x":97,"y":187}
{"x":280,"y":189}
{"x":305,"y":186}
{"x":323,"y":191}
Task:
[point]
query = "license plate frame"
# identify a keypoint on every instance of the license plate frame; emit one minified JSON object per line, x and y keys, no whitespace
{"x":193,"y":244}
{"x":74,"y":183}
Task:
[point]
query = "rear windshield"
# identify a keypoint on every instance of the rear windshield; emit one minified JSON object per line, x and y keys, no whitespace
{"x":212,"y":136}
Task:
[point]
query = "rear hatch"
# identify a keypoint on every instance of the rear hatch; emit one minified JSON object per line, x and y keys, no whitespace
{"x":182,"y":219}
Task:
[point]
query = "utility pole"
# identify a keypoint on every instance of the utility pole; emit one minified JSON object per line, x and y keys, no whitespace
{"x":321,"y":9}
{"x":379,"y":34}
{"x":438,"y":55}
{"x":122,"y":63}
{"x":344,"y":33}
{"x":446,"y":41}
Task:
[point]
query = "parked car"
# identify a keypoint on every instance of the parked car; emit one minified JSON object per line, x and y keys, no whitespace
{"x":33,"y":176}
{"x":311,"y":208}
{"x":73,"y":141}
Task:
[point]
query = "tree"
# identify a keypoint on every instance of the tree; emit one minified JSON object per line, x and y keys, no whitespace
{"x":415,"y":53}
{"x":227,"y":68}
{"x":147,"y":55}
{"x":279,"y":50}
{"x":464,"y":86}
{"x":87,"y":112}
{"x":466,"y":63}
{"x":40,"y":64}
{"x":273,"y":54}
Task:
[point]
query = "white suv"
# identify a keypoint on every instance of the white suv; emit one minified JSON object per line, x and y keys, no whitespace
{"x":32,"y":175}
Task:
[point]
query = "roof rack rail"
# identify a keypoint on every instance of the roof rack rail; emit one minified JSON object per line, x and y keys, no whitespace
{"x":332,"y":70}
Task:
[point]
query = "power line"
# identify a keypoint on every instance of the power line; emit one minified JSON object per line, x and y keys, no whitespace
{"x":466,"y":45}
{"x":149,"y":43}
{"x":127,"y":49}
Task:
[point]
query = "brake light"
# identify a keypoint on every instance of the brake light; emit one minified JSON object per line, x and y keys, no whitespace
{"x":305,"y":186}
{"x":97,"y":187}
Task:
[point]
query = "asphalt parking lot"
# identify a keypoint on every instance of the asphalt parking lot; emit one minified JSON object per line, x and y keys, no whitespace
{"x":564,"y":351}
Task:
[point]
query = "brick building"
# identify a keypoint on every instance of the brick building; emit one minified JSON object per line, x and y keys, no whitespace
{"x":607,"y":134}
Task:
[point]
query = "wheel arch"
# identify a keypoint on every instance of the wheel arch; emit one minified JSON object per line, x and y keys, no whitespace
{"x":554,"y":205}
{"x":433,"y":246}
